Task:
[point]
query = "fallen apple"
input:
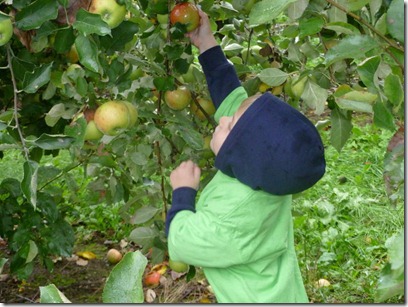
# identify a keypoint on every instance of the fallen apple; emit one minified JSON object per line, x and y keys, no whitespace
{"x":178,"y":266}
{"x":113,"y":256}
{"x":152,"y":279}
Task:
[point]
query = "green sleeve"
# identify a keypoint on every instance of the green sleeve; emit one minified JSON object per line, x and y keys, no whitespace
{"x":231,"y":103}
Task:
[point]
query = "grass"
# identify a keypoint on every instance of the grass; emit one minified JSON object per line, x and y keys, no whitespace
{"x":342,"y":223}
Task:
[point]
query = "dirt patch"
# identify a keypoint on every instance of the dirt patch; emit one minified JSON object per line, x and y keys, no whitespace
{"x":84,"y":283}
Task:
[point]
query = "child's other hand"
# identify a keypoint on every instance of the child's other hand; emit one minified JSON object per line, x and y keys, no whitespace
{"x":202,"y":37}
{"x":187,"y":174}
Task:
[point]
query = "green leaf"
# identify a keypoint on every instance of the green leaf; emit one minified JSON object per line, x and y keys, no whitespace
{"x":314,"y":96}
{"x":273,"y":76}
{"x":29,"y":182}
{"x":121,"y":35}
{"x":51,"y":142}
{"x":87,"y":52}
{"x":33,"y":16}
{"x":296,"y":9}
{"x":310,"y":26}
{"x":124,"y":283}
{"x":87,"y":23}
{"x":144,"y":214}
{"x":143,"y":236}
{"x":51,"y":295}
{"x":351,"y":47}
{"x":192,"y":137}
{"x":391,"y":281}
{"x":266,"y":10}
{"x":357,"y":101}
{"x":34,"y":80}
{"x":355,"y":5}
{"x":342,"y":28}
{"x":341,"y":128}
{"x":64,"y":40}
{"x":396,"y":20}
{"x":393,"y":89}
{"x":383,"y":117}
{"x":32,"y":252}
{"x":367,"y":71}
{"x":2,"y":263}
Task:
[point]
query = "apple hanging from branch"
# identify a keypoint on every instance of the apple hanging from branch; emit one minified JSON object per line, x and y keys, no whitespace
{"x":6,"y":29}
{"x":178,"y":99}
{"x":114,"y":116}
{"x":186,"y":14}
{"x":110,"y":10}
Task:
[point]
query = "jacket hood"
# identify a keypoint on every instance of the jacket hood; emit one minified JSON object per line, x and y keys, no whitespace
{"x":274,"y":148}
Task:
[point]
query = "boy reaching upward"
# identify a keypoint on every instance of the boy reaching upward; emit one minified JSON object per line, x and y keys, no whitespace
{"x":240,"y":231}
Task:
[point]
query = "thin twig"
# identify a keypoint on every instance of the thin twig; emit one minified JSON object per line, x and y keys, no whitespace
{"x":361,"y":20}
{"x":15,"y":92}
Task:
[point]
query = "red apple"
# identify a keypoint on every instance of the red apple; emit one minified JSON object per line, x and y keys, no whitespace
{"x":187,"y":14}
{"x":178,"y":99}
{"x":152,"y":279}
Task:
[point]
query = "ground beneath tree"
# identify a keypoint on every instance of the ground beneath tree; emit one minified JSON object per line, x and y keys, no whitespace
{"x":82,"y":281}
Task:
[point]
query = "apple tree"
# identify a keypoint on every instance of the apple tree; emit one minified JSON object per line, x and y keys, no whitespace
{"x":66,"y":59}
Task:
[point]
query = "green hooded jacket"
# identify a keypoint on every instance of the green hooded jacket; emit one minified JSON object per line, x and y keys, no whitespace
{"x":242,"y":238}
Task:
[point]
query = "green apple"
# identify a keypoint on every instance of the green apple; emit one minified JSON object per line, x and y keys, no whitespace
{"x":298,"y":87}
{"x":206,"y":104}
{"x":113,"y":256}
{"x":133,"y":114}
{"x":178,"y":99}
{"x":6,"y":29}
{"x":72,"y":54}
{"x":178,"y":266}
{"x":187,"y":14}
{"x":112,"y":117}
{"x":110,"y":10}
{"x":92,"y":132}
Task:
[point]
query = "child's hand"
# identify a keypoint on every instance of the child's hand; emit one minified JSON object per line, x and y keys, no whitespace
{"x":186,"y":175}
{"x":202,"y":37}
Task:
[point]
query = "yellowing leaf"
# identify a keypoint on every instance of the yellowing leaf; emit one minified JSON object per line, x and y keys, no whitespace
{"x":86,"y":255}
{"x":161,"y":268}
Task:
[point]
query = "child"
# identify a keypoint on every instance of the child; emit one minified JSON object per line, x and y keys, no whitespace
{"x":240,"y":232}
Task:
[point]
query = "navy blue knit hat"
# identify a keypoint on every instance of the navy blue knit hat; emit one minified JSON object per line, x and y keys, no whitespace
{"x":273,"y":147}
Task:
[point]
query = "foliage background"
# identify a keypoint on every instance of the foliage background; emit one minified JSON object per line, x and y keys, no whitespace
{"x":334,"y":60}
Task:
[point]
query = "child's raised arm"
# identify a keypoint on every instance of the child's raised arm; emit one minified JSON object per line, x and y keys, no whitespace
{"x":220,"y":74}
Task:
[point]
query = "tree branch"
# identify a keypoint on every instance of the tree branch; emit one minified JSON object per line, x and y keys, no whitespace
{"x":15,"y":92}
{"x":359,"y":19}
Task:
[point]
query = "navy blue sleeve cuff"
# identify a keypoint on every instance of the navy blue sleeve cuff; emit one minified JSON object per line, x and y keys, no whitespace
{"x":182,"y":199}
{"x":221,"y":76}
